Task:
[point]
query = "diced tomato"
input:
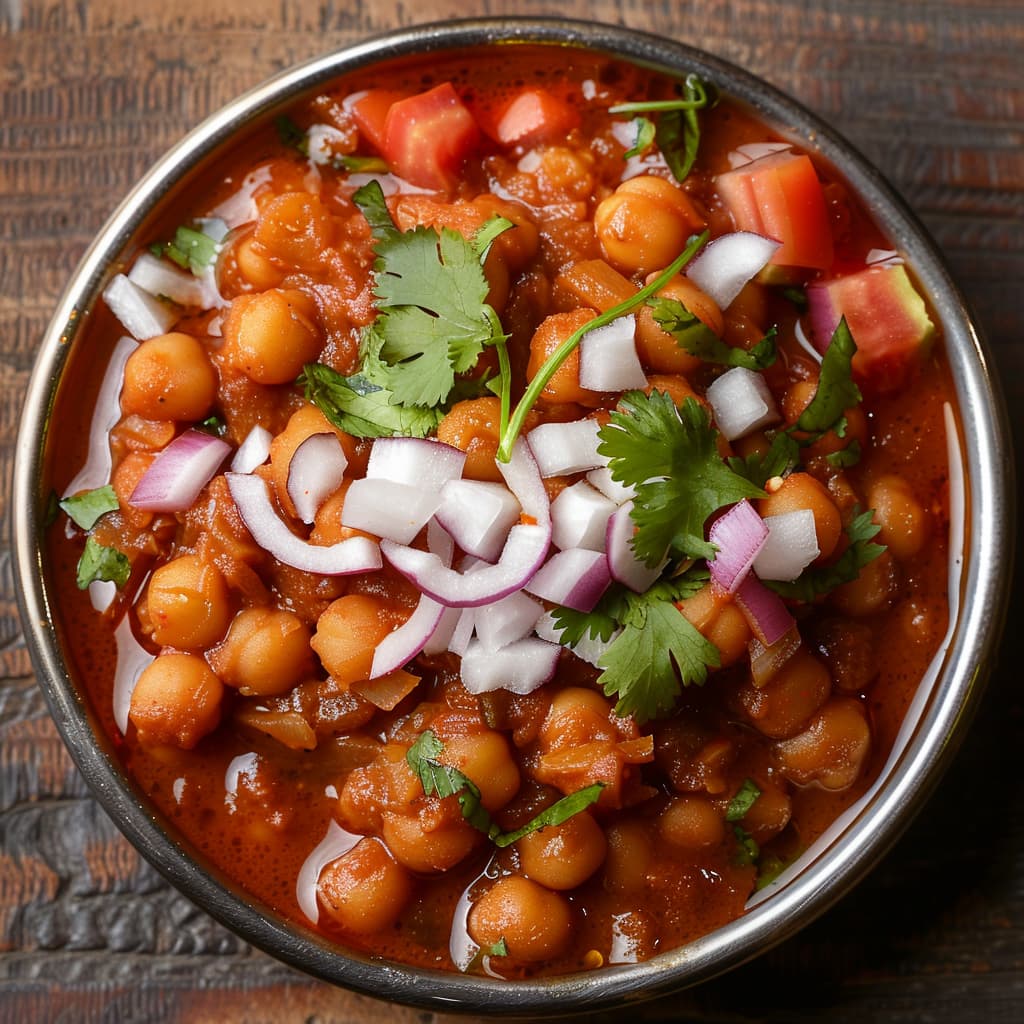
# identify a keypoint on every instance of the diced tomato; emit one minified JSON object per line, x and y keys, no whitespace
{"x":534,"y":116}
{"x":781,"y":197}
{"x":427,"y":137}
{"x":369,"y":110}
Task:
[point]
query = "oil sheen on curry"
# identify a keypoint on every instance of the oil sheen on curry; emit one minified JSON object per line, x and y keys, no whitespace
{"x":509,"y":518}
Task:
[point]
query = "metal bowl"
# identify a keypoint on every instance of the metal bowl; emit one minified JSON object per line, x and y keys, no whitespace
{"x":859,"y":839}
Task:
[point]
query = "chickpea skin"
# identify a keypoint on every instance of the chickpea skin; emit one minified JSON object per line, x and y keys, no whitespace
{"x":365,"y":889}
{"x":188,"y":603}
{"x":169,"y":378}
{"x":176,"y":701}
{"x":535,"y":922}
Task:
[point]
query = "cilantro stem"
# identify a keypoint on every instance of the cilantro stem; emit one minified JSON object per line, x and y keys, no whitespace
{"x":505,"y":369}
{"x":654,"y":106}
{"x":566,"y":349}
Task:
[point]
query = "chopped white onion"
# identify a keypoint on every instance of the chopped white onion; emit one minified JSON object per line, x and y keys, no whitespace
{"x":400,"y":646}
{"x":741,"y":403}
{"x":751,"y":151}
{"x":253,"y":451}
{"x":462,"y":634}
{"x":602,"y":479}
{"x":564,"y":448}
{"x":415,"y":461}
{"x":177,"y":475}
{"x":388,"y":509}
{"x":478,"y":514}
{"x":315,"y":472}
{"x":356,"y":554}
{"x":576,"y":578}
{"x":141,"y":315}
{"x":791,"y":546}
{"x":519,"y":667}
{"x":579,"y":518}
{"x":160,"y":277}
{"x":507,"y":620}
{"x":320,"y":142}
{"x":608,"y":359}
{"x":442,"y":637}
{"x":728,"y":263}
{"x":623,"y":564}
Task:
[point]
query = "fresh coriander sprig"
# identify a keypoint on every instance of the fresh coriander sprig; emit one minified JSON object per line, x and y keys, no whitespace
{"x":693,"y":335}
{"x":566,"y":349}
{"x":85,"y":508}
{"x":102,"y":563}
{"x":445,"y":780}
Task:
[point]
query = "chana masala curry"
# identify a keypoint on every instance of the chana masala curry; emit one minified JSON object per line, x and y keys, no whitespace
{"x":509,"y":517}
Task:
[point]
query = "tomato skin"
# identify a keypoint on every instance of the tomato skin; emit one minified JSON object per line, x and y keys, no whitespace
{"x":369,"y":110}
{"x":535,"y":116}
{"x":780,"y":196}
{"x":427,"y":137}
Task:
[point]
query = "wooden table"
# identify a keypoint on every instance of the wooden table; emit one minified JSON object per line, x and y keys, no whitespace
{"x":92,"y":91}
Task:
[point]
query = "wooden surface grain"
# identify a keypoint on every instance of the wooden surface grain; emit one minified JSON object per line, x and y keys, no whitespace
{"x":92,"y":92}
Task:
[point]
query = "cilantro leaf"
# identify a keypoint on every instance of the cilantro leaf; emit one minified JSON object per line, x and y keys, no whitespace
{"x":845,"y":457}
{"x":815,"y":582}
{"x":191,"y":249}
{"x":102,"y":563}
{"x":768,"y":869}
{"x":699,"y":340}
{"x":360,"y":164}
{"x":85,"y":508}
{"x":748,"y":851}
{"x":499,"y":948}
{"x":837,"y":391}
{"x":214,"y":426}
{"x":444,"y":781}
{"x":658,"y":651}
{"x":432,"y":319}
{"x":670,"y":456}
{"x":644,"y":132}
{"x":782,"y":457}
{"x":362,"y":408}
{"x":797,"y":296}
{"x":291,"y":135}
{"x":745,"y":798}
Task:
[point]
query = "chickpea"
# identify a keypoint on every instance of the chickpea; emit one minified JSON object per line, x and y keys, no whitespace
{"x":903,"y":519}
{"x":486,"y":759}
{"x":770,"y":812}
{"x":691,"y":823}
{"x":657,"y":349}
{"x":187,"y":603}
{"x":473,"y":427}
{"x":272,"y":335}
{"x":256,"y":267}
{"x":730,"y":633}
{"x":831,"y":750}
{"x":677,"y":387}
{"x":644,"y":224}
{"x":296,"y":227}
{"x":347,"y":634}
{"x":564,"y":385}
{"x":169,"y":378}
{"x":176,"y":701}
{"x":365,"y":889}
{"x":796,"y":399}
{"x":563,"y":856}
{"x":849,"y":650}
{"x":535,"y":923}
{"x":803,"y":491}
{"x":629,"y":856}
{"x":783,"y":706}
{"x":265,"y":653}
{"x":577,"y":715}
{"x":427,"y":846}
{"x":872,"y":591}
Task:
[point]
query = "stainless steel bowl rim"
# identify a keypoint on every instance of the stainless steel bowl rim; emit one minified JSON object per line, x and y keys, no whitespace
{"x":990,"y":538}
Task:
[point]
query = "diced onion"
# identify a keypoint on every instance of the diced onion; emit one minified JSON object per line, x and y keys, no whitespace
{"x":400,"y":646}
{"x":579,"y":518}
{"x":576,"y":578}
{"x":253,"y":451}
{"x":751,"y":151}
{"x":354,"y":555}
{"x":764,"y":610}
{"x":315,"y":472}
{"x":462,"y":634}
{"x":623,"y":564}
{"x":739,"y":535}
{"x":388,"y":509}
{"x":507,"y":620}
{"x":588,"y":649}
{"x":564,"y":448}
{"x":415,"y":461}
{"x":478,"y":514}
{"x":765,"y":662}
{"x":608,"y":359}
{"x":728,"y":263}
{"x":519,"y":667}
{"x":141,"y":315}
{"x":791,"y":546}
{"x":177,"y":475}
{"x":161,"y":278}
{"x":602,"y":479}
{"x":741,"y":403}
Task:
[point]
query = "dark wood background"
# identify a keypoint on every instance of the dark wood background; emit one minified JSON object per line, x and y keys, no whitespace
{"x":92,"y":91}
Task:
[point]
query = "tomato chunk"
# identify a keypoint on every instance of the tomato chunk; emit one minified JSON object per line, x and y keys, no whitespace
{"x":370,"y":110}
{"x":427,"y":137}
{"x":534,"y":116}
{"x":780,"y":196}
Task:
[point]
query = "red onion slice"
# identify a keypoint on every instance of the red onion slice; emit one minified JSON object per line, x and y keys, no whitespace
{"x":765,"y":662}
{"x":315,"y":472}
{"x":564,"y":448}
{"x":440,"y":542}
{"x":388,"y":509}
{"x":729,"y":262}
{"x":399,"y":647}
{"x":415,"y":461}
{"x":579,"y":518}
{"x":177,"y":475}
{"x":441,"y":639}
{"x":519,"y":667}
{"x":576,"y":578}
{"x":764,"y":610}
{"x":462,"y":634}
{"x":608,"y":359}
{"x":478,"y":515}
{"x":739,"y":535}
{"x":623,"y":564}
{"x":522,"y":474}
{"x":791,"y":546}
{"x":741,"y":403}
{"x":141,"y":315}
{"x":253,"y":451}
{"x":507,"y":620}
{"x":250,"y":494}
